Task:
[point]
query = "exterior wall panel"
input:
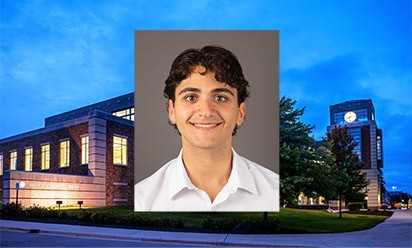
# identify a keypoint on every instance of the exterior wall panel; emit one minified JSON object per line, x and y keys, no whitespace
{"x":98,"y":183}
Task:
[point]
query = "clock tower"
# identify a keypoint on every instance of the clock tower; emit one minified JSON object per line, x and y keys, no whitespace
{"x":359,"y":117}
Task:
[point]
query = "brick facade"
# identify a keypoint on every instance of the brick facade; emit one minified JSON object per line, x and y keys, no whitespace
{"x":100,"y":182}
{"x":120,"y":178}
{"x":72,"y":133}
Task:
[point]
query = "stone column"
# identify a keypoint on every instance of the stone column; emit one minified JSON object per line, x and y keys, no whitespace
{"x":97,"y":151}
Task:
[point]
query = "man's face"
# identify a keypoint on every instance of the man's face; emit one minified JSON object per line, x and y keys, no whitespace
{"x":205,"y":111}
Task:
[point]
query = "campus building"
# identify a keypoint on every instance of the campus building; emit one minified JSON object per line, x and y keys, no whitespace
{"x":84,"y":155}
{"x":359,"y":117}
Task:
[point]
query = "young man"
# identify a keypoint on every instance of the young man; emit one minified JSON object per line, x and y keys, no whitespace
{"x":206,"y":93}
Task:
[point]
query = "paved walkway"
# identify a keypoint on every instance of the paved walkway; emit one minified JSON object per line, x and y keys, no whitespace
{"x":394,"y":232}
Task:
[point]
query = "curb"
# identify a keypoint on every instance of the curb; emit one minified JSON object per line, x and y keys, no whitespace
{"x":152,"y":240}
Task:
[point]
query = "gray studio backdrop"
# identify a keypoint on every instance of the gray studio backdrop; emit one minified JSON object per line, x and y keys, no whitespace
{"x":156,"y":142}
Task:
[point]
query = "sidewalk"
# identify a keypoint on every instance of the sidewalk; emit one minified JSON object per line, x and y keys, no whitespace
{"x":394,"y":232}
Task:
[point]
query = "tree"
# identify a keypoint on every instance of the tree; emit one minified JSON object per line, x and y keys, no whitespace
{"x":302,"y":165}
{"x":349,"y":181}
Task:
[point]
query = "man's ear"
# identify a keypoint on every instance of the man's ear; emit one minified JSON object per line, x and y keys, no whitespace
{"x":241,"y":114}
{"x":171,"y":111}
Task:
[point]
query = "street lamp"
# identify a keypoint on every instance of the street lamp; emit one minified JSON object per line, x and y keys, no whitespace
{"x":19,"y":185}
{"x":393,"y":188}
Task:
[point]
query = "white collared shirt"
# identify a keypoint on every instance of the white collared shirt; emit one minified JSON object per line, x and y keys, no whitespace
{"x":251,"y":187}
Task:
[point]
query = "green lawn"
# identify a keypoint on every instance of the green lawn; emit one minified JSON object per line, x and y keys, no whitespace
{"x":319,"y":221}
{"x":291,"y":220}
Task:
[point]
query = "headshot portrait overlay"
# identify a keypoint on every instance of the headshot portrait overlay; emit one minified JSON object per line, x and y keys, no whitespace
{"x":157,"y":142}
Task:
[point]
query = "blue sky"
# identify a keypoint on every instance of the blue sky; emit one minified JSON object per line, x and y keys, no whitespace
{"x":61,"y":55}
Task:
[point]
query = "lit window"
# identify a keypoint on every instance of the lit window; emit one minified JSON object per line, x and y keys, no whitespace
{"x":45,"y":157}
{"x":119,"y":150}
{"x":28,"y":159}
{"x":13,"y":160}
{"x":125,"y":113}
{"x":1,"y":164}
{"x":64,"y":153}
{"x":85,"y":150}
{"x":362,"y":114}
{"x":379,"y":147}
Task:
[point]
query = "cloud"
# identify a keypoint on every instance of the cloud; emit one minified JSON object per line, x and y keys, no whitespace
{"x":64,"y":48}
{"x":58,"y":56}
{"x":337,"y":77}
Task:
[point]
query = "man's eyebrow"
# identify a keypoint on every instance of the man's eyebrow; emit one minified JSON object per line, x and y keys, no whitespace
{"x":189,"y":89}
{"x":219,"y":90}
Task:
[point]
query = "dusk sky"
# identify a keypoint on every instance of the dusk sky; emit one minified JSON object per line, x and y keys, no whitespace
{"x":60,"y":55}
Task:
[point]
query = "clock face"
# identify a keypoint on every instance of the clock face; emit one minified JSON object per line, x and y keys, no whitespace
{"x":350,"y":116}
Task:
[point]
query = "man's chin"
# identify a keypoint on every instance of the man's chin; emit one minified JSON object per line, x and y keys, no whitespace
{"x":207,"y":144}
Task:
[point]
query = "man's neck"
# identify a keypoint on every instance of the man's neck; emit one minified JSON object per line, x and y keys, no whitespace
{"x":208,"y":168}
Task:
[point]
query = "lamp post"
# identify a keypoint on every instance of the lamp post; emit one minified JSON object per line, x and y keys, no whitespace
{"x":59,"y":203}
{"x":19,"y":185}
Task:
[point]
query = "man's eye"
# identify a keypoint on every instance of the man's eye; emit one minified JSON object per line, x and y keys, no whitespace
{"x":220,"y":98}
{"x":190,"y":98}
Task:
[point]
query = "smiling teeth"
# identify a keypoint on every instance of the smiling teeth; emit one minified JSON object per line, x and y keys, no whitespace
{"x":205,"y":125}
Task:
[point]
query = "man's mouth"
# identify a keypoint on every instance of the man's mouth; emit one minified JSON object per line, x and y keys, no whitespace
{"x":205,"y":125}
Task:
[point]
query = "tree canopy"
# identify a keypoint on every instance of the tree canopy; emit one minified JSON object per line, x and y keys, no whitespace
{"x":303,"y":167}
{"x":331,"y":168}
{"x":349,"y":181}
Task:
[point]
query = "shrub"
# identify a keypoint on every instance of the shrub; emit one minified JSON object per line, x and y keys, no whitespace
{"x":11,"y":209}
{"x":62,"y":214}
{"x":177,"y":223}
{"x":355,"y":206}
{"x":86,"y":216}
{"x":168,"y":222}
{"x":315,"y":207}
{"x":261,"y":226}
{"x":133,"y":219}
{"x":41,"y":212}
{"x":107,"y":217}
{"x":224,"y":224}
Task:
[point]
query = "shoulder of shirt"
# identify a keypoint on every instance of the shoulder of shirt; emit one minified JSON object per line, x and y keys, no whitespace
{"x":156,"y":178}
{"x":255,"y":167}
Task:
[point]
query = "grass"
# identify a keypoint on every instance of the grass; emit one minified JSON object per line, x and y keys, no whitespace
{"x":319,"y":221}
{"x":291,"y":220}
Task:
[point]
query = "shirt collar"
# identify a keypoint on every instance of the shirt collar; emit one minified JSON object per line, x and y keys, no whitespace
{"x":179,"y":178}
{"x":240,"y":176}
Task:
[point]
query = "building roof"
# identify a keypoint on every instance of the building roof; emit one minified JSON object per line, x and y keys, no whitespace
{"x":108,"y":106}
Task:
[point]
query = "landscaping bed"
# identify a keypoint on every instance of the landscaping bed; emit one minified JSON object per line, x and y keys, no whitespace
{"x":286,"y":221}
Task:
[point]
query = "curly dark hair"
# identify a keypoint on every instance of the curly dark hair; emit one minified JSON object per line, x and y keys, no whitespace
{"x":215,"y":59}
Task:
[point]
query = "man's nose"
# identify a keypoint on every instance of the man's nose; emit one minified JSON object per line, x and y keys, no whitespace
{"x":205,"y":107}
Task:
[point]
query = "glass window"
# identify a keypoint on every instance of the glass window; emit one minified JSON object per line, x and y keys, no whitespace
{"x":28,"y":159}
{"x":379,"y":147}
{"x":132,"y":114}
{"x":357,"y":137}
{"x":13,"y":160}
{"x":338,"y":118}
{"x":119,"y":150}
{"x":85,"y":150}
{"x":64,"y":153}
{"x":1,"y":164}
{"x":362,"y":114}
{"x":45,"y":157}
{"x":125,"y":113}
